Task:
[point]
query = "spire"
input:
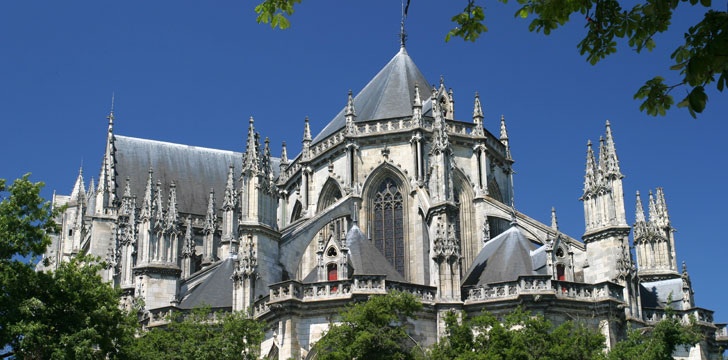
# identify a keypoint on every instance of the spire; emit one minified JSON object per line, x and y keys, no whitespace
{"x":188,"y":249}
{"x":157,"y":207}
{"x":639,"y":212}
{"x":589,"y":177}
{"x":603,"y":156}
{"x":350,"y":112}
{"x":284,"y":155}
{"x":554,"y":222}
{"x":504,"y":136}
{"x":251,"y":156}
{"x":611,"y":158}
{"x":306,"y":140}
{"x":662,"y":206}
{"x":148,"y":196}
{"x":652,"y":208}
{"x":210,"y":218}
{"x":306,"y":130}
{"x":172,"y":215}
{"x":402,"y":34}
{"x":79,"y":190}
{"x":111,"y":115}
{"x":350,"y":115}
{"x":477,"y":117}
{"x":91,"y":187}
{"x":229,"y":198}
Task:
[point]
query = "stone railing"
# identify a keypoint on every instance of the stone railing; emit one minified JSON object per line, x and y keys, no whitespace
{"x":543,"y":284}
{"x":158,"y":316}
{"x":583,"y":291}
{"x":260,"y":307}
{"x":722,"y":332}
{"x":654,"y":315}
{"x":342,"y":289}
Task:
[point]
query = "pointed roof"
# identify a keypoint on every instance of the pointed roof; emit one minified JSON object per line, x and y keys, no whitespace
{"x":388,"y":95}
{"x":215,"y":290}
{"x":504,"y":258}
{"x":366,"y":259}
{"x":79,"y":190}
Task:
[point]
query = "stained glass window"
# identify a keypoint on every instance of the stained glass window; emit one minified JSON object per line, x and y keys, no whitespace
{"x":389,"y":223}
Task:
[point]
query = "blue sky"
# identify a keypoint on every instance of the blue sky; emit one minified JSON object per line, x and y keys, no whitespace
{"x":192,"y":72}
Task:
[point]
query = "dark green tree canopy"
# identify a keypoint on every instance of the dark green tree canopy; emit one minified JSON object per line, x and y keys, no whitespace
{"x":700,"y":61}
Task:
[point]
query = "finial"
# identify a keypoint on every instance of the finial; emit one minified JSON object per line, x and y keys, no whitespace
{"x":684,"y":268}
{"x":639,"y":212}
{"x":306,"y":130}
{"x":355,"y":215}
{"x":503,"y":130}
{"x":350,"y":112}
{"x":554,"y":222}
{"x":417,"y":100}
{"x":442,"y":80}
{"x":111,"y":113}
{"x":402,"y":34}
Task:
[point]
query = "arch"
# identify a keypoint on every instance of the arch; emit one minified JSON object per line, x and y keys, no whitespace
{"x":386,"y":212}
{"x":465,"y":221}
{"x":330,"y":193}
{"x":297,"y":211}
{"x":494,"y":190}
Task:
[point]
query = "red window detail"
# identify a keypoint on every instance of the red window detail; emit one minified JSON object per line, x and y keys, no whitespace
{"x":560,"y":272}
{"x":333,"y":274}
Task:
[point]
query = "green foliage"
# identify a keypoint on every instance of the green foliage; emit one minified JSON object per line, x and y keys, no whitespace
{"x":71,"y":314}
{"x":469,"y":23}
{"x":702,"y":58}
{"x":374,"y":329}
{"x":25,"y":220}
{"x":657,"y":343}
{"x":274,"y":12}
{"x":518,"y":336}
{"x":66,"y":314}
{"x":202,"y":334}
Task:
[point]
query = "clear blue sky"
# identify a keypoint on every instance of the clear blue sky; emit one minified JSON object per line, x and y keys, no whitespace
{"x":192,"y":72}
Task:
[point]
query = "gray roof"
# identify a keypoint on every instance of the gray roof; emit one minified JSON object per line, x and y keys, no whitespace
{"x":195,"y":170}
{"x":388,"y":95}
{"x":504,"y":258}
{"x":655,"y":294}
{"x":366,"y":259}
{"x":216,"y":290}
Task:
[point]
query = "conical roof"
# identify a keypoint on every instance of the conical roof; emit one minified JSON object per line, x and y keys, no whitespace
{"x":504,"y":258}
{"x":388,"y":95}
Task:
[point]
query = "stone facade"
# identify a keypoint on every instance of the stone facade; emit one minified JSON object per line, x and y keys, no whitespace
{"x":395,"y":193}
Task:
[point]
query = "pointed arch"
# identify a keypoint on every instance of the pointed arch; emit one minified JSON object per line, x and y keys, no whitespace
{"x":465,"y":222}
{"x":385,"y":206}
{"x":330,"y":193}
{"x":297,"y":211}
{"x":494,"y":190}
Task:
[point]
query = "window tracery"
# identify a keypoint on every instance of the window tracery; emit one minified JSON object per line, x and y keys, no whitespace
{"x":388,"y":223}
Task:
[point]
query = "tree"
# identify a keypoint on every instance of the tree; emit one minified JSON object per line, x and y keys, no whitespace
{"x":702,"y":58}
{"x":519,"y":336}
{"x":202,"y":334}
{"x":374,"y":329}
{"x":66,"y":314}
{"x":657,"y":343}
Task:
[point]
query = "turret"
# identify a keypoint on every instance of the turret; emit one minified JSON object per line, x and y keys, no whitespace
{"x":654,"y":240}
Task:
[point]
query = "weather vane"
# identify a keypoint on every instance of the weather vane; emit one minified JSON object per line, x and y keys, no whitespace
{"x":402,"y":34}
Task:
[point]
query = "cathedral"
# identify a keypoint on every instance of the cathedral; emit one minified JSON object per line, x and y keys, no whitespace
{"x":395,"y":193}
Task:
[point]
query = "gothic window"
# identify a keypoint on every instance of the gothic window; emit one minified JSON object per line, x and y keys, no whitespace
{"x":388,"y":223}
{"x":332,"y":272}
{"x":331,"y":252}
{"x":560,"y":272}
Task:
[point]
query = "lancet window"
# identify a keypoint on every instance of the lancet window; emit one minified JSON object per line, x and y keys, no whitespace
{"x":388,"y":223}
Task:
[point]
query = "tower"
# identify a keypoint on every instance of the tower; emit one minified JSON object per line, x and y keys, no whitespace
{"x":607,"y":234}
{"x":654,"y":240}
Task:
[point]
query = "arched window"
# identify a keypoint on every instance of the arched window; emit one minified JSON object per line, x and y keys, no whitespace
{"x":332,"y":272}
{"x":388,"y":223}
{"x":560,"y":272}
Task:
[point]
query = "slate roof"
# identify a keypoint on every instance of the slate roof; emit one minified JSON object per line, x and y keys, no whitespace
{"x":504,"y":258}
{"x":655,"y":294}
{"x":364,"y":258}
{"x":195,"y":170}
{"x":216,"y":290}
{"x":388,"y":95}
